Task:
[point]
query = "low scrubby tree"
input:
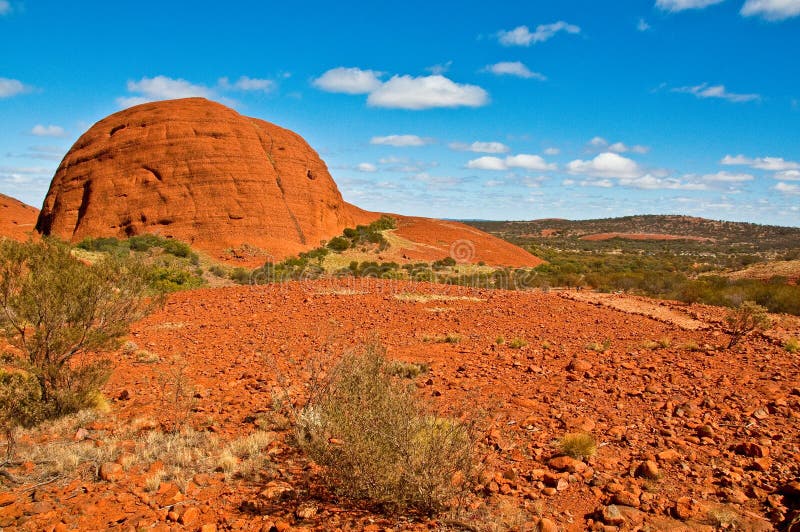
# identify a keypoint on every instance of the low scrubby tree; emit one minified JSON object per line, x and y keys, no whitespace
{"x":54,"y":307}
{"x":745,"y":318}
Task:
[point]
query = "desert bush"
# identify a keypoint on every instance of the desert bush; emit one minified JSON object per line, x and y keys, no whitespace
{"x":745,"y":318}
{"x":377,"y":441}
{"x":792,"y":345}
{"x":449,"y":338}
{"x":599,"y":347}
{"x":407,"y":370}
{"x":20,"y":404}
{"x":578,"y":445}
{"x":56,"y":308}
{"x":517,"y":343}
{"x":339,"y":244}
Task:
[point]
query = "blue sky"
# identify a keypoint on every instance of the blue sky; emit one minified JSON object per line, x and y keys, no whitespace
{"x":502,"y":110}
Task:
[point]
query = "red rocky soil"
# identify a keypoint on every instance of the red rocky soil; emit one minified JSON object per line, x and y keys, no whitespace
{"x":17,"y":220}
{"x":689,"y":435}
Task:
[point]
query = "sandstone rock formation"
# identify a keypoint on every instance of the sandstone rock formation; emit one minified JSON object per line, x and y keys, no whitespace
{"x":198,"y":171}
{"x":17,"y":220}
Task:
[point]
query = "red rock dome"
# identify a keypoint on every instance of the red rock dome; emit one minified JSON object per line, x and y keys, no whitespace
{"x":198,"y":171}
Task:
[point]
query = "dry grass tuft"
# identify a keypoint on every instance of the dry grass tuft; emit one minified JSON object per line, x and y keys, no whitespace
{"x":578,"y":445}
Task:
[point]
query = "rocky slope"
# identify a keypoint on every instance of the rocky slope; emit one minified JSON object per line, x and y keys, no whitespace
{"x":17,"y":220}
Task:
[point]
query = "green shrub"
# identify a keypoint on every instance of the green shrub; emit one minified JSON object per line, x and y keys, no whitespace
{"x":376,"y":441}
{"x":745,"y":318}
{"x":55,"y":308}
{"x":339,"y":244}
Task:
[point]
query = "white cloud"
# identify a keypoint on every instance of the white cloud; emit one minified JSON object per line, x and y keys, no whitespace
{"x":606,"y":164}
{"x":651,"y":182}
{"x":522,"y":160}
{"x":552,"y":151}
{"x":487,"y":163}
{"x":162,"y":88}
{"x":602,"y":183}
{"x":704,"y":90}
{"x":680,"y":5}
{"x":788,"y":175}
{"x":400,"y":140}
{"x":774,"y":164}
{"x":514,"y":68}
{"x":617,"y":147}
{"x":522,"y":36}
{"x":598,"y":142}
{"x":47,"y":131}
{"x":787,"y":188}
{"x":568,"y":182}
{"x":642,"y":25}
{"x":349,"y":80}
{"x":727,"y":177}
{"x":529,"y":162}
{"x":620,"y":147}
{"x":480,"y":147}
{"x":5,"y":7}
{"x":440,"y":68}
{"x":426,"y":92}
{"x":772,"y":10}
{"x":245,"y":83}
{"x":12,"y":87}
{"x":366,"y":167}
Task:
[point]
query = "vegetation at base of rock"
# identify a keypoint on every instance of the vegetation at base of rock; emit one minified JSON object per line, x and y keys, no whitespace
{"x":173,"y":264}
{"x":363,"y":235}
{"x":378,"y":442}
{"x":56,"y":310}
{"x":578,"y":445}
{"x":744,"y":319}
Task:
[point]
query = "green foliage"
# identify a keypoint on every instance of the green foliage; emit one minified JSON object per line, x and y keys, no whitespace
{"x":54,"y":308}
{"x":447,"y":262}
{"x":339,"y":244}
{"x":171,"y":279}
{"x":377,"y":442}
{"x":745,"y":318}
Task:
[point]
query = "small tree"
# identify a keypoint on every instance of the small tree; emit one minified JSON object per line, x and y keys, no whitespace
{"x":54,"y":307}
{"x":747,"y":317}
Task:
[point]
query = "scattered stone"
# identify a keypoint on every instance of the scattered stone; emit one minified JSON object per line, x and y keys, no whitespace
{"x":111,"y":472}
{"x":276,"y":490}
{"x":567,"y":463}
{"x":670,"y":455}
{"x":612,"y":516}
{"x":752,"y":450}
{"x":648,"y":469}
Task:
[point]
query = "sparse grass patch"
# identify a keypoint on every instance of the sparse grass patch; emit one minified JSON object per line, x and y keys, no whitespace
{"x":792,"y":345}
{"x":598,"y":346}
{"x":578,"y":445}
{"x":406,"y":370}
{"x":500,"y":340}
{"x":449,"y":338}
{"x":377,"y":441}
{"x":690,"y":346}
{"x":144,"y":356}
{"x":724,"y":517}
{"x":517,"y":343}
{"x":547,"y":345}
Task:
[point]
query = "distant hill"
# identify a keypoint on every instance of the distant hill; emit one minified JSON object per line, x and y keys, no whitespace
{"x":17,"y":220}
{"x":746,"y":237}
